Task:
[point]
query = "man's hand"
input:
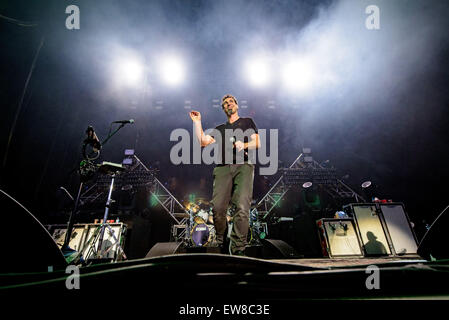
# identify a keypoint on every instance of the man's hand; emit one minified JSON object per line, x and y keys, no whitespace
{"x":195,"y":116}
{"x":239,"y":145}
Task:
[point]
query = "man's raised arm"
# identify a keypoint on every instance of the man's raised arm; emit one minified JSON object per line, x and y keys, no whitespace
{"x":203,"y":139}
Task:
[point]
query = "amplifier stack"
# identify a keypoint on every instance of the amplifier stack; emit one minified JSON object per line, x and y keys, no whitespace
{"x":370,"y":229}
{"x":84,"y":239}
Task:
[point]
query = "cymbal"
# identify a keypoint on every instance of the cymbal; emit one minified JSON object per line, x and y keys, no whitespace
{"x":191,"y":206}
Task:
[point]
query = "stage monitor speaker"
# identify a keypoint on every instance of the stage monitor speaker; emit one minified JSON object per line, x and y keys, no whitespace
{"x":434,"y":243}
{"x":278,"y":249}
{"x":399,"y":229}
{"x":164,"y":249}
{"x":26,"y":244}
{"x":370,"y":228}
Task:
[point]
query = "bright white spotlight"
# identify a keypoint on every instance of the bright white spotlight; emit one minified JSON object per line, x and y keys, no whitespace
{"x":298,"y":75}
{"x":257,"y":72}
{"x":130,"y":71}
{"x":172,"y":70}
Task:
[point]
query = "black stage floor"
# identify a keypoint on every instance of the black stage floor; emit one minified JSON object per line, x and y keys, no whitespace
{"x":243,"y":277}
{"x":173,"y":284}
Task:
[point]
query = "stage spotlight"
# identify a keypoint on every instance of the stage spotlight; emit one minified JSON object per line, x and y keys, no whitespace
{"x":257,"y":72}
{"x":366,"y":184}
{"x":307,"y":184}
{"x":298,"y":75}
{"x":130,"y":72}
{"x":172,"y":70}
{"x":368,"y":190}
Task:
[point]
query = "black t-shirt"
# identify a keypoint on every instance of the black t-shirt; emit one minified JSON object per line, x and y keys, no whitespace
{"x":240,"y":130}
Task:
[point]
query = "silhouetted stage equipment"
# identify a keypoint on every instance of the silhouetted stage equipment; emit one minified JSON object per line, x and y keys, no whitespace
{"x":27,"y":245}
{"x":384,"y":229}
{"x":85,"y":239}
{"x":269,"y":249}
{"x":339,"y":238}
{"x":434,"y":244}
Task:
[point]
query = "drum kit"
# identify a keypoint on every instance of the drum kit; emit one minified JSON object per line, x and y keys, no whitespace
{"x":202,"y":229}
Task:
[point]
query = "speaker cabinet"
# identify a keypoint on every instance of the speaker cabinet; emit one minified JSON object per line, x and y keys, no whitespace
{"x":399,"y":229}
{"x":370,"y":228}
{"x":85,"y":238}
{"x":164,"y":249}
{"x":27,"y":245}
{"x":58,"y":233}
{"x":278,"y":249}
{"x":112,"y":238}
{"x":339,"y":238}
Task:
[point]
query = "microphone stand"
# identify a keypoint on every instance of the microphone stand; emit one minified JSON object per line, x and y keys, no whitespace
{"x":65,"y":247}
{"x":113,"y":133}
{"x":71,"y":222}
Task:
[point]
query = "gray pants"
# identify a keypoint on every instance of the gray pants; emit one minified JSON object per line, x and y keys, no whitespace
{"x":233,"y":184}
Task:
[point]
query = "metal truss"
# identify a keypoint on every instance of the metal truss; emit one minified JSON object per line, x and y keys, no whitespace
{"x":168,"y":201}
{"x":268,"y":202}
{"x":142,"y":176}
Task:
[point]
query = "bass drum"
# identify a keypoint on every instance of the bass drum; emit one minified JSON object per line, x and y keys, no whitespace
{"x":202,"y":234}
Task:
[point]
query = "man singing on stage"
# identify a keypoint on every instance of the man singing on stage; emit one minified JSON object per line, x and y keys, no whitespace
{"x":233,"y":174}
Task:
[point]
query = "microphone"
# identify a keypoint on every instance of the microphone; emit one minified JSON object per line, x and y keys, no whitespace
{"x":232,"y":140}
{"x":124,"y":121}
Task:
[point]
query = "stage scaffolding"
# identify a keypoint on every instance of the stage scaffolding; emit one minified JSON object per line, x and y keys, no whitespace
{"x":138,"y":175}
{"x":271,"y":199}
{"x":142,"y":176}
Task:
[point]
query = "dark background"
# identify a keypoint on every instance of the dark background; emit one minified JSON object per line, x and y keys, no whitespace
{"x":384,"y":120}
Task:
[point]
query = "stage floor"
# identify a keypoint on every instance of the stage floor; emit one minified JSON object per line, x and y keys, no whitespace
{"x":331,"y":263}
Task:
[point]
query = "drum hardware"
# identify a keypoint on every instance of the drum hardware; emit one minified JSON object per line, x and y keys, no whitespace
{"x":201,"y":229}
